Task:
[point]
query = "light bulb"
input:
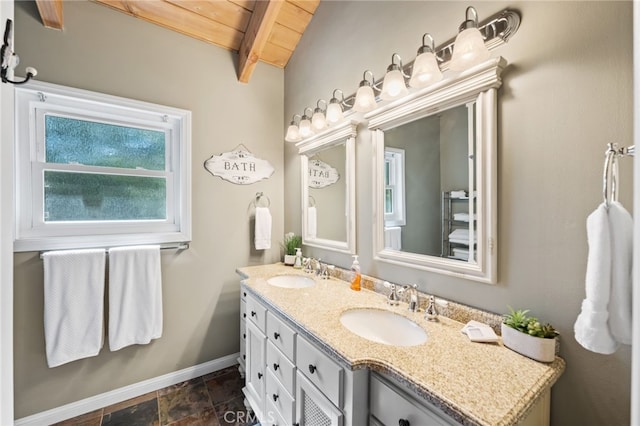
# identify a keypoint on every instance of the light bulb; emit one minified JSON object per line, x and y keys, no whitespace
{"x":469,"y":48}
{"x":305,"y":127}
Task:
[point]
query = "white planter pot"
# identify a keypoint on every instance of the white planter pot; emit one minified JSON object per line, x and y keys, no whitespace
{"x":289,"y":259}
{"x":537,"y":348}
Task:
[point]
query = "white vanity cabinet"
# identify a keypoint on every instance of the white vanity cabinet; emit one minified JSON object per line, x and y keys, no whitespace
{"x":290,"y":381}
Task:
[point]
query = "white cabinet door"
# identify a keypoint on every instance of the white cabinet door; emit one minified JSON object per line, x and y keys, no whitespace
{"x":256,"y":368}
{"x":312,"y":407}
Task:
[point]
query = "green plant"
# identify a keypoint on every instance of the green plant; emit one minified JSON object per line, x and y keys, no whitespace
{"x":528,"y":324}
{"x":291,"y":243}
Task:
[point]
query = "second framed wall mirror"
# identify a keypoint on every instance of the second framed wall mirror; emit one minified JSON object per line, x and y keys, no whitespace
{"x":328,"y":189}
{"x":435,"y":198}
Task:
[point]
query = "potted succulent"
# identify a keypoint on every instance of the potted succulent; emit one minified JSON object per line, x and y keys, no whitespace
{"x":527,"y":336}
{"x":290,"y":244}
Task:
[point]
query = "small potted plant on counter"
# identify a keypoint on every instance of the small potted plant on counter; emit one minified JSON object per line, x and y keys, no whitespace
{"x":290,"y":244}
{"x":527,"y":336}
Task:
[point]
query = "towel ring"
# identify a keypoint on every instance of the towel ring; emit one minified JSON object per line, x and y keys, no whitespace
{"x":259,"y":196}
{"x":610,"y":175}
{"x":312,"y":201}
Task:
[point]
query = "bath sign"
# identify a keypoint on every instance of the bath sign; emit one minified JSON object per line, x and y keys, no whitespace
{"x":239,"y":166}
{"x":321,"y":174}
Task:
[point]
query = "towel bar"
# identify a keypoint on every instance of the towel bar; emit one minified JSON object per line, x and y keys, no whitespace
{"x":177,"y":246}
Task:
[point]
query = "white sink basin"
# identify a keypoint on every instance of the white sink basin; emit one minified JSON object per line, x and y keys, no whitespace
{"x":383,"y":327}
{"x":291,"y":281}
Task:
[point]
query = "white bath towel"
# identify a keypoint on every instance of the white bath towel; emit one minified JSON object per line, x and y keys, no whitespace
{"x":263,"y":228}
{"x":621,"y":228}
{"x":393,"y":238}
{"x":591,"y":328}
{"x":73,"y":304}
{"x":461,"y":236}
{"x":312,"y":222}
{"x":135,"y":296}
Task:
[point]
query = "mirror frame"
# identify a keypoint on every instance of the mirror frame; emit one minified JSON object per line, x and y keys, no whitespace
{"x":479,"y":84}
{"x":344,"y":132}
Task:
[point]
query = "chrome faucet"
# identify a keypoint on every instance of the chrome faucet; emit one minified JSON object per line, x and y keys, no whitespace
{"x":322,"y":271}
{"x":308,"y":265}
{"x":414,"y":302}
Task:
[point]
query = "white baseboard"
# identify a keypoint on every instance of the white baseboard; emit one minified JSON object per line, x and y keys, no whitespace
{"x":96,"y":402}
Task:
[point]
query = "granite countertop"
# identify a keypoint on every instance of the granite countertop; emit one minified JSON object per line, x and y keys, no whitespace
{"x":475,"y":383}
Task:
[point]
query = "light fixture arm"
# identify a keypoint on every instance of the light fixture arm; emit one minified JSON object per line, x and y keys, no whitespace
{"x":320,"y":109}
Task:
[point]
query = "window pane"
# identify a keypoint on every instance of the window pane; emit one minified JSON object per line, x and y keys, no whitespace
{"x":69,"y":140}
{"x":88,"y":196}
{"x":388,"y":201}
{"x":387,"y":172}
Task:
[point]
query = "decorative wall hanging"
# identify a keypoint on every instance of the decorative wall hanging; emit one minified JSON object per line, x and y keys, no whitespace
{"x":321,"y":174}
{"x":239,"y":166}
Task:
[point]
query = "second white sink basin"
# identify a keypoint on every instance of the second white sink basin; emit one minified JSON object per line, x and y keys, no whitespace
{"x":383,"y":327}
{"x":291,"y":281}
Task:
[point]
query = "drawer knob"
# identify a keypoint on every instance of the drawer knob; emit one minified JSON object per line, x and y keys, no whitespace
{"x":244,"y":335}
{"x":312,"y":368}
{"x":244,"y":315}
{"x":276,"y":366}
{"x":253,"y":313}
{"x":244,"y":357}
{"x":403,"y":422}
{"x":244,"y":294}
{"x":276,"y":335}
{"x":275,"y":397}
{"x":259,"y":375}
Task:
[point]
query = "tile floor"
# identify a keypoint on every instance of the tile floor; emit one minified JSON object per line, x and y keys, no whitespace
{"x":215,"y":399}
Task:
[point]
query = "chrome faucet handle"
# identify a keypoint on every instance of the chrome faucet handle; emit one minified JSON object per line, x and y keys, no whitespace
{"x":392,"y":299}
{"x":431,"y":313}
{"x":308,"y":265}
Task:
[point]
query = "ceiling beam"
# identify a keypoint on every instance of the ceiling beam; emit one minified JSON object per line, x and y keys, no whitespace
{"x":256,"y":36}
{"x":51,"y":13}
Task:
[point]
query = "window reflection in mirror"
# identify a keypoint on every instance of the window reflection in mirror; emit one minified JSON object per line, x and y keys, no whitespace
{"x":327,"y":194}
{"x":429,"y":170}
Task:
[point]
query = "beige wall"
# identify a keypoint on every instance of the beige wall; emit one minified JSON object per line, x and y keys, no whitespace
{"x":106,"y":51}
{"x":566,"y":93}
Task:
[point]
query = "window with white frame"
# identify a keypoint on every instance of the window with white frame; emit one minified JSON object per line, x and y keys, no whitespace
{"x":95,"y":170}
{"x":394,"y":193}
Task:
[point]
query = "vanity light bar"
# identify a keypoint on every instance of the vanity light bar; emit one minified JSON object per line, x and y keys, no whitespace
{"x":495,"y":30}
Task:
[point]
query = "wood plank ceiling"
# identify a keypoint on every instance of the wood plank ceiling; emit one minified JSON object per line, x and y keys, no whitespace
{"x":262,"y":30}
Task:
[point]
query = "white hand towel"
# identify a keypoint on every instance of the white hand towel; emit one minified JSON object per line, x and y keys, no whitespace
{"x":135,"y":296}
{"x":591,"y":328}
{"x":312,"y":222}
{"x":621,"y":227}
{"x":263,"y":228}
{"x":73,"y":304}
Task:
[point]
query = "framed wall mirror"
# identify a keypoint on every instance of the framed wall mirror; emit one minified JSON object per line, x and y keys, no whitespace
{"x":435,"y":198}
{"x":328,"y":189}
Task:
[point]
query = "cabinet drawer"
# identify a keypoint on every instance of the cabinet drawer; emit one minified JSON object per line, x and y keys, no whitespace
{"x":280,"y":398}
{"x":322,"y":371}
{"x":389,"y":407}
{"x":273,"y":416}
{"x":282,"y":368}
{"x":282,"y":336}
{"x":256,"y":312}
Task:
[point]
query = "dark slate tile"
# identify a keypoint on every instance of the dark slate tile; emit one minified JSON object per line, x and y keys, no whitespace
{"x":92,"y":418}
{"x":143,"y":414}
{"x":178,"y":386}
{"x":234,"y":413}
{"x":226,"y":387}
{"x":204,"y":418}
{"x":184,"y":402}
{"x":224,"y":371}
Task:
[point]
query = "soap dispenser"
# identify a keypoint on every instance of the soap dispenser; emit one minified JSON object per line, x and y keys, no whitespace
{"x":298,"y":262}
{"x":356,"y":276}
